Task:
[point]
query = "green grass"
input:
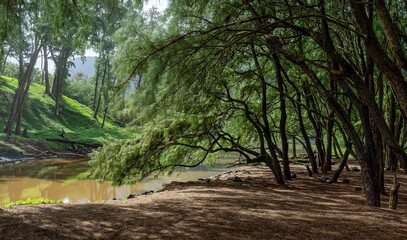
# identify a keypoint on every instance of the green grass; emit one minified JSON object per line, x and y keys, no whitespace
{"x":31,"y":201}
{"x":38,"y":116}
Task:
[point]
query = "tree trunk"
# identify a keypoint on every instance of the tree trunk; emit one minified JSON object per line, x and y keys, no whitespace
{"x":104,"y":117}
{"x":95,"y":114}
{"x":46,"y":77}
{"x":368,"y":164}
{"x":328,"y":151}
{"x":60,"y":75}
{"x":96,"y":83}
{"x":304,"y":133}
{"x":21,"y":92}
{"x":56,"y":91}
{"x":264,"y":132}
{"x":394,"y":194}
{"x":391,"y":157}
{"x":342,"y":165}
{"x":392,"y":36}
{"x":379,"y":56}
{"x":4,"y":62}
{"x":283,"y":120}
{"x":18,"y":123}
{"x":317,"y":128}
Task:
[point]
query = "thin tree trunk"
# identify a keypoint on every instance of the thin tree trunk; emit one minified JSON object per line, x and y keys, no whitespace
{"x":18,"y":123}
{"x":104,"y":117}
{"x":264,"y":131}
{"x":55,"y":91}
{"x":4,"y":62}
{"x":341,"y":166}
{"x":308,"y":148}
{"x":391,"y":156}
{"x":283,"y":120}
{"x":46,"y":77}
{"x":328,"y":151}
{"x":95,"y":114}
{"x":19,"y":96}
{"x":96,"y":83}
{"x":317,"y":128}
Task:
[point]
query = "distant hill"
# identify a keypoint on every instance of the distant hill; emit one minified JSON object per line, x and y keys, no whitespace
{"x":87,"y":67}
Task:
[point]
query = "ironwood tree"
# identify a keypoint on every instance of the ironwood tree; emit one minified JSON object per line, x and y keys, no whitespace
{"x":213,"y":74}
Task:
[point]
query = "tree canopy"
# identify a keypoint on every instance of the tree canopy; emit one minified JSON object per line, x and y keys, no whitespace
{"x":232,"y":76}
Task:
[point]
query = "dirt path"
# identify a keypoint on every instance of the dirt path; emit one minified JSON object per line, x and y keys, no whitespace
{"x":256,"y":208}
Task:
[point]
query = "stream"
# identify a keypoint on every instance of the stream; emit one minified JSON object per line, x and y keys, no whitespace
{"x":68,"y":179}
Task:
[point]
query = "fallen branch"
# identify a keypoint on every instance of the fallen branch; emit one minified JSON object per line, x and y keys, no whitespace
{"x":65,"y":137}
{"x":92,"y":145}
{"x":51,"y":153}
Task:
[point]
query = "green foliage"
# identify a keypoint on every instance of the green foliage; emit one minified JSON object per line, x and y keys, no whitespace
{"x":130,"y":160}
{"x":81,"y":89}
{"x":183,"y":108}
{"x":32,"y":201}
{"x":11,"y":70}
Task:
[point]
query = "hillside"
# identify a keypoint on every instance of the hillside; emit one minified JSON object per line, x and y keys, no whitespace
{"x":39,"y":119}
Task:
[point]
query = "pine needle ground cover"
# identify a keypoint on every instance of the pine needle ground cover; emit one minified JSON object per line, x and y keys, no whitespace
{"x":40,"y":121}
{"x":256,"y":208}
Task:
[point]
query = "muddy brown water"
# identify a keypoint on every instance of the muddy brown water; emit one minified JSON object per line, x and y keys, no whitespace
{"x":68,"y":179}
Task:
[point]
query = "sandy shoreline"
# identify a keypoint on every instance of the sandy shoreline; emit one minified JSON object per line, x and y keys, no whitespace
{"x":256,"y":208}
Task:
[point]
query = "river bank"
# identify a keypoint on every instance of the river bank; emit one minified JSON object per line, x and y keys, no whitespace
{"x":13,"y":151}
{"x":255,"y":208}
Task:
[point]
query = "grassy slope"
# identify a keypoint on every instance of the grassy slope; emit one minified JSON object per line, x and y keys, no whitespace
{"x":39,"y":118}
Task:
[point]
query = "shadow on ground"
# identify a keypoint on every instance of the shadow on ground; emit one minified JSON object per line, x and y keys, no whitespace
{"x":253,"y":209}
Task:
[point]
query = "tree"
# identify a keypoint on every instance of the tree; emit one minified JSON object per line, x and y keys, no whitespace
{"x":235,"y":58}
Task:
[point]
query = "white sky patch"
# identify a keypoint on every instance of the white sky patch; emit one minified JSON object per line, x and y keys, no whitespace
{"x":161,"y":5}
{"x":51,"y":64}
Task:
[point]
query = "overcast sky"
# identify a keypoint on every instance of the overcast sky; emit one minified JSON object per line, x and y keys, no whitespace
{"x":161,"y":5}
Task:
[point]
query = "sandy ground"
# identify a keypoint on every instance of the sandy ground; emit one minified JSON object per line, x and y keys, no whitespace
{"x":256,"y":208}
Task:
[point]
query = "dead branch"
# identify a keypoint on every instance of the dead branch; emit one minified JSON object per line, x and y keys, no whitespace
{"x":92,"y":145}
{"x":51,"y":153}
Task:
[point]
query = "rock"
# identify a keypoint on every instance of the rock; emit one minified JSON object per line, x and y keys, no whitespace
{"x":326,"y":180}
{"x":293,"y":175}
{"x":246,"y":178}
{"x":358,"y":189}
{"x":147,"y":192}
{"x":345,"y":181}
{"x":355,"y":169}
{"x":230,"y":178}
{"x":205,"y":179}
{"x":235,"y":179}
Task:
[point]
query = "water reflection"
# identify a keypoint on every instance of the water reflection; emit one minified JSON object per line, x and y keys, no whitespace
{"x":68,"y":179}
